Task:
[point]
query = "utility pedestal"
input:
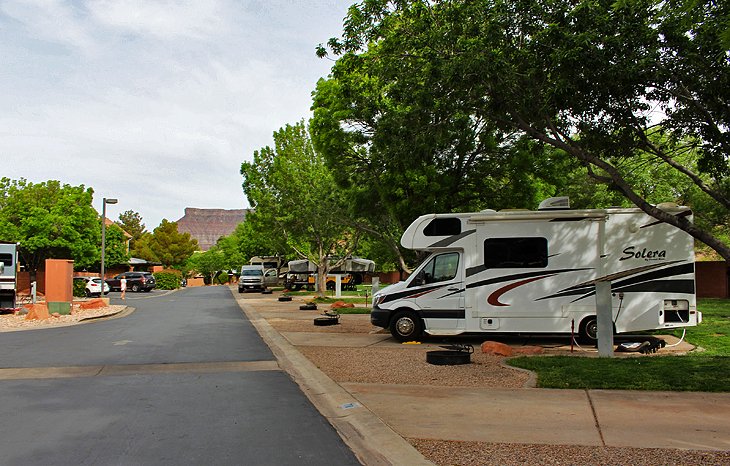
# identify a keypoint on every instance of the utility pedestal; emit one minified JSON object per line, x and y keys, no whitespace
{"x":604,"y":319}
{"x":59,"y":285}
{"x":338,"y":286}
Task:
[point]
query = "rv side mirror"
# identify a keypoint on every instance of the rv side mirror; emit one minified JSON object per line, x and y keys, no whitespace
{"x":419,"y":279}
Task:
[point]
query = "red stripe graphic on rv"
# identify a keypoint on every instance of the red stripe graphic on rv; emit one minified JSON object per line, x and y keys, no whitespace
{"x":493,"y":298}
{"x":418,"y":295}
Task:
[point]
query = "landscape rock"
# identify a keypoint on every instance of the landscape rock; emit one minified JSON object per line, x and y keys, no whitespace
{"x":37,"y":312}
{"x":340,"y":305}
{"x":93,"y":304}
{"x":496,"y":348}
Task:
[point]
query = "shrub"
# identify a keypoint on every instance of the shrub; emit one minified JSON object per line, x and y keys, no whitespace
{"x":168,"y":280}
{"x":221,"y":279}
{"x":79,"y":289}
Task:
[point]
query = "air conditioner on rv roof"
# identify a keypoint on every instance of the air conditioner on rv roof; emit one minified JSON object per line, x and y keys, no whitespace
{"x":555,"y":203}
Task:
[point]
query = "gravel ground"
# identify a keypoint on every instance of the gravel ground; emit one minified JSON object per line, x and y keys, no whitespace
{"x":483,"y":454}
{"x":407,"y":365}
{"x":349,"y":323}
{"x":16,"y":322}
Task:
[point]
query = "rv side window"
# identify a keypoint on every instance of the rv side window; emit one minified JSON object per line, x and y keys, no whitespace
{"x":440,"y":268}
{"x":510,"y":253}
{"x":6,"y":259}
{"x":443,"y":227}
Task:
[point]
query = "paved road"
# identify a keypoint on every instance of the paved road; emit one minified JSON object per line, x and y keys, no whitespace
{"x":185,"y":379}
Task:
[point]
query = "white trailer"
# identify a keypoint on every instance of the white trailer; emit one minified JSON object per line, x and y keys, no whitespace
{"x":8,"y":278}
{"x":536,"y":271}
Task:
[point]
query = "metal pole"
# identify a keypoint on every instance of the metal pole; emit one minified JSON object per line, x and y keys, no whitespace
{"x":103,"y":240}
{"x":104,"y":202}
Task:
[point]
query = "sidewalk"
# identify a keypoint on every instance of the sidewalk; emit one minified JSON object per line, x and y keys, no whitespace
{"x":375,"y":418}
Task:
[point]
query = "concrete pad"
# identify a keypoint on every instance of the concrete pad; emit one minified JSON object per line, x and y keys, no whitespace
{"x":557,"y":417}
{"x":688,"y":420}
{"x":349,"y":340}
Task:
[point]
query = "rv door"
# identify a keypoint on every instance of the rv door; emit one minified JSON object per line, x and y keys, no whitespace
{"x":441,"y":299}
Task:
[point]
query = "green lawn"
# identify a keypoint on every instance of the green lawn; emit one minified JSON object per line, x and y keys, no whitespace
{"x":707,"y":369}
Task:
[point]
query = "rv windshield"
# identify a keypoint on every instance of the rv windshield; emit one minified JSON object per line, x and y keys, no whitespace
{"x":252,"y":273}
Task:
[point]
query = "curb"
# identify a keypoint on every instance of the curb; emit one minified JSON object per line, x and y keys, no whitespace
{"x":114,"y":315}
{"x":531,"y":381}
{"x":370,"y":439}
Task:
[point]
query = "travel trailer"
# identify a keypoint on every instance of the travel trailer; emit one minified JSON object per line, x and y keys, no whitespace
{"x":536,"y":271}
{"x":271,"y":262}
{"x":8,"y":267}
{"x":352,"y":272}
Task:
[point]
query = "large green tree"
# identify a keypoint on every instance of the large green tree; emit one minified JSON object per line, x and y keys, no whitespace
{"x":602,"y":80}
{"x":253,"y":238}
{"x":116,"y":247}
{"x":402,"y":148}
{"x":50,"y":221}
{"x":209,"y":263}
{"x":166,"y":245}
{"x":131,"y":222}
{"x":295,"y":197}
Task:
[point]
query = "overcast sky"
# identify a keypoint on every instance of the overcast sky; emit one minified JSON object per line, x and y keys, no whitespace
{"x":154,"y":102}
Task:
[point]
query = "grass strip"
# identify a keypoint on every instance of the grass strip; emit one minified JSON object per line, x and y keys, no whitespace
{"x":664,"y":373}
{"x":706,"y":370}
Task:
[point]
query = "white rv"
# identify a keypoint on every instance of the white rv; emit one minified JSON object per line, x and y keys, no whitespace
{"x":8,"y":266}
{"x":535,"y":272}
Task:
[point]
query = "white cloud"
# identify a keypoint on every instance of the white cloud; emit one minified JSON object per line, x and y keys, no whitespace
{"x":166,"y":19}
{"x":51,"y":20}
{"x":156,"y":103}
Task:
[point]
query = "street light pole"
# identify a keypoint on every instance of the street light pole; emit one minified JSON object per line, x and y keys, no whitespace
{"x":105,"y":201}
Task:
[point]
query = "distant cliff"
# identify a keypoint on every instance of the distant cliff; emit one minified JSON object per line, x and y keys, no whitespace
{"x":207,"y":225}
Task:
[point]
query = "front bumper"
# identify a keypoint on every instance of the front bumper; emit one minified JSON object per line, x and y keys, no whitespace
{"x":380,"y":317}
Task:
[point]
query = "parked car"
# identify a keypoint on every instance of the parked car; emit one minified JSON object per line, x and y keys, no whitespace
{"x":136,"y":281}
{"x":254,"y":277}
{"x":93,"y":286}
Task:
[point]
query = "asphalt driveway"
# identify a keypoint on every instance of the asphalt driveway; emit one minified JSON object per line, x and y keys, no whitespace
{"x":185,"y":379}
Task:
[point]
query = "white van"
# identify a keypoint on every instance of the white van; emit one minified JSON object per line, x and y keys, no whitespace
{"x":535,"y":272}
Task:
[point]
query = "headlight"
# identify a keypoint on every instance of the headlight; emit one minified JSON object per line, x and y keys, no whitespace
{"x":378,"y":299}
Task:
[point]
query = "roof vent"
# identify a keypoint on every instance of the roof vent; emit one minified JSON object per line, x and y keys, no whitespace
{"x":555,"y":203}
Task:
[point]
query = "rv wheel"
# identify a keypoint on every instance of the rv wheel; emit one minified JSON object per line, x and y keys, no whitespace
{"x":588,"y":332}
{"x":406,"y":326}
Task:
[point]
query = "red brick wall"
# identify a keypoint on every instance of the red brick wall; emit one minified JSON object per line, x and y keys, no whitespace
{"x":384,"y":277}
{"x":23,"y":284}
{"x":712,"y":279}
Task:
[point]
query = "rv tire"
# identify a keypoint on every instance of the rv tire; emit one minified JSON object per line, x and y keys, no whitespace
{"x":588,"y":331}
{"x":406,"y":326}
